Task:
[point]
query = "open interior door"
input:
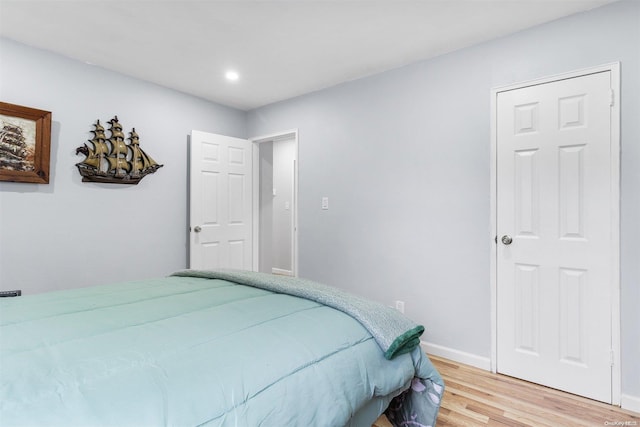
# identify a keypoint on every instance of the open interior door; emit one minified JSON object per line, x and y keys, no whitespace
{"x":220,"y":209}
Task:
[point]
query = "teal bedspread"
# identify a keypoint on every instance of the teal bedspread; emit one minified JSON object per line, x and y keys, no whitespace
{"x":187,"y":351}
{"x":394,"y":333}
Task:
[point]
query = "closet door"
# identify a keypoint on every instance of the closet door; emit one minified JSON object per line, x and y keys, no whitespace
{"x":554,"y":222}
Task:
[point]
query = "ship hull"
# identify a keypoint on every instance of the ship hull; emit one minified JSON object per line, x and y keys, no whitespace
{"x":110,"y":179}
{"x":92,"y":175}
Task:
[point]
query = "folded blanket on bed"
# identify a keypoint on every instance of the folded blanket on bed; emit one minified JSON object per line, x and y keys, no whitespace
{"x":394,"y":333}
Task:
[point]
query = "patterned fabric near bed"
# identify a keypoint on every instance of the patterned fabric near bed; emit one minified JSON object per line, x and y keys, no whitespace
{"x":192,"y":351}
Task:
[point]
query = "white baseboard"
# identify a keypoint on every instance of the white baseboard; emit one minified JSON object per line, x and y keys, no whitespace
{"x":627,"y":402}
{"x":457,"y":355}
{"x":630,"y":403}
{"x":281,"y":272}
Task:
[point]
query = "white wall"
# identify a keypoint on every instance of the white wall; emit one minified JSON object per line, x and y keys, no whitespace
{"x":69,"y":233}
{"x":276,"y":211}
{"x":404,"y":158}
{"x":283,"y":156}
{"x":265,"y":239}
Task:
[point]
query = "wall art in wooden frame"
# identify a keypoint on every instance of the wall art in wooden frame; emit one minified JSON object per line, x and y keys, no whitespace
{"x":25,"y":140}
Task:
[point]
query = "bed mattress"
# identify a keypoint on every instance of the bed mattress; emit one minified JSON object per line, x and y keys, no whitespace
{"x":182,"y":351}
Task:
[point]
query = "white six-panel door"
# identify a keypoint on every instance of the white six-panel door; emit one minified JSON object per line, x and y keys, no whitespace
{"x":220,"y":202}
{"x":554,"y":225}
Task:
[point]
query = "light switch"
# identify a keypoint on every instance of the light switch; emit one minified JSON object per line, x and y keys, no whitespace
{"x":325,"y":203}
{"x":287,"y":206}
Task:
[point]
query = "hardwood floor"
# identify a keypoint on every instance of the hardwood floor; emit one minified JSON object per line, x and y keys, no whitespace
{"x":474,"y":397}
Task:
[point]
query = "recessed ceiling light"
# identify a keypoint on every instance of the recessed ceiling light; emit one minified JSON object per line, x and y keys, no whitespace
{"x":232,"y":76}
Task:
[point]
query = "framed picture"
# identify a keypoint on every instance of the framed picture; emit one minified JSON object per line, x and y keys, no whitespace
{"x":25,"y":140}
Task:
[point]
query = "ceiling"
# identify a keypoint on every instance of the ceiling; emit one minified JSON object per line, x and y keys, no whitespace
{"x":281,"y":49}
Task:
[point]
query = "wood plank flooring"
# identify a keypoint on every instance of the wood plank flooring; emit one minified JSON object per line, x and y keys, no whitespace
{"x":474,"y":397}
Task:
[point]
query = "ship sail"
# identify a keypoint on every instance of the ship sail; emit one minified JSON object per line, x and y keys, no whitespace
{"x":136,"y":159}
{"x":141,"y":162}
{"x":119,"y":150}
{"x":12,"y":149}
{"x":93,"y":159}
{"x":99,"y":150}
{"x":101,"y":147}
{"x":118,"y":163}
{"x":118,"y":146}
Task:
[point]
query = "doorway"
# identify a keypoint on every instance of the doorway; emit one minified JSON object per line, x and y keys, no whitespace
{"x":555,"y":263}
{"x":275,"y":203}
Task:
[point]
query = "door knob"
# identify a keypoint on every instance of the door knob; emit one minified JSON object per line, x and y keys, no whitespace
{"x":198,"y":229}
{"x":506,"y":239}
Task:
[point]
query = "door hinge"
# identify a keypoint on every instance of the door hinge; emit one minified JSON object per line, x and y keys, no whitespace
{"x":611,"y":358}
{"x":611,"y":98}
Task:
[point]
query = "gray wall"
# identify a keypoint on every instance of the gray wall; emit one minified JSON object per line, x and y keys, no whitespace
{"x":404,"y":158}
{"x":70,"y":234}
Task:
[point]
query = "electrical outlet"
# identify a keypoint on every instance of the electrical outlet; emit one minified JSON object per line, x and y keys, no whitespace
{"x":325,"y":203}
{"x":400,"y":306}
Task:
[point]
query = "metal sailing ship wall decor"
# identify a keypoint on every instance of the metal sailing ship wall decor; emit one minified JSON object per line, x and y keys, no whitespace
{"x":111,"y":160}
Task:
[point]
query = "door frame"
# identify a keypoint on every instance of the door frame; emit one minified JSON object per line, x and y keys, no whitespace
{"x":274,"y":137}
{"x":614,"y":69}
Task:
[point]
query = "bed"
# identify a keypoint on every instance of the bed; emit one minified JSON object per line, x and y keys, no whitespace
{"x":218,"y":348}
